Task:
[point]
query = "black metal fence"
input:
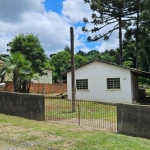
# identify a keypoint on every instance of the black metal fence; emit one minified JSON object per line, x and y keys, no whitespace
{"x":89,"y":114}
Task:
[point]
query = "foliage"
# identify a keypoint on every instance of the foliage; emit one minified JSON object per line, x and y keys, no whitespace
{"x":119,"y":14}
{"x":128,"y":64}
{"x":79,"y":60}
{"x":61,"y":62}
{"x":29,"y":45}
{"x":18,"y":65}
{"x":93,"y":54}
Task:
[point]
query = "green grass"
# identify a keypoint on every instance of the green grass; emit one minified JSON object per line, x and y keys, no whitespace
{"x":147,"y":92}
{"x":62,"y":109}
{"x":21,"y":133}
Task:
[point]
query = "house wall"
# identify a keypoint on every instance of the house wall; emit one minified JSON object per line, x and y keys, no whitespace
{"x":7,"y":77}
{"x":134,"y":88}
{"x":96,"y":73}
{"x":47,"y":78}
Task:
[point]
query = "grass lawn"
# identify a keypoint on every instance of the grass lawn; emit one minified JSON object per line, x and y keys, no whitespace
{"x":62,"y":109}
{"x":22,"y":134}
{"x":147,"y":92}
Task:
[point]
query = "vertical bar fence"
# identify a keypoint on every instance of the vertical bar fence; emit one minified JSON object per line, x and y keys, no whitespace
{"x":89,"y":114}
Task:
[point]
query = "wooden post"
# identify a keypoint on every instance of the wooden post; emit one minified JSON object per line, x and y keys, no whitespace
{"x":72,"y":70}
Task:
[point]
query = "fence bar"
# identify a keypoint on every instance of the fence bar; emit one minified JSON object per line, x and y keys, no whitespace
{"x":78,"y":114}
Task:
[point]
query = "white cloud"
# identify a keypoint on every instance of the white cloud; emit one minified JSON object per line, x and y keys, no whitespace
{"x":53,"y":29}
{"x":26,"y":16}
{"x":85,"y":49}
{"x":75,"y":11}
{"x":11,"y":11}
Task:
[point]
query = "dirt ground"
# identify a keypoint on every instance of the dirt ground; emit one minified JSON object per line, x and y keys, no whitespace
{"x":99,"y":124}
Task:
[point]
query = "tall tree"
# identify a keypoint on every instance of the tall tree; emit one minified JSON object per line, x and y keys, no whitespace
{"x":145,"y":32}
{"x":118,"y":13}
{"x":30,"y":46}
{"x":137,"y":37}
{"x":133,"y":34}
{"x":79,"y":60}
{"x":93,"y":54}
{"x":82,"y":53}
{"x":61,"y":63}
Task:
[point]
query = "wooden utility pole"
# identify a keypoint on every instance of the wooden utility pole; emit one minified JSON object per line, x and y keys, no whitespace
{"x":73,"y":71}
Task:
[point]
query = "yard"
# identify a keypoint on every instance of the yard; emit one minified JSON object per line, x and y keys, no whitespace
{"x":89,"y":114}
{"x":62,"y":109}
{"x":22,"y":134}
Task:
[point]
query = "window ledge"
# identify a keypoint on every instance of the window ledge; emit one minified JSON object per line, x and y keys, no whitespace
{"x":113,"y":89}
{"x":83,"y":90}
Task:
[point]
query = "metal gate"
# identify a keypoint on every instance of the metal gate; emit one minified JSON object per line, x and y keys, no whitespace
{"x":89,"y":114}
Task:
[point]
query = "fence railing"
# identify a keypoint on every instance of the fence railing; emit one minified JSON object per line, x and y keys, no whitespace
{"x":90,"y":114}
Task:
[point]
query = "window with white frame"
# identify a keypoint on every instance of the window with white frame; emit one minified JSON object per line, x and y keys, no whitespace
{"x":82,"y":84}
{"x":113,"y":83}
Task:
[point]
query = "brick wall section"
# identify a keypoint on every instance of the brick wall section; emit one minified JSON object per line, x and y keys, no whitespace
{"x":24,"y":105}
{"x":39,"y":88}
{"x":9,"y":86}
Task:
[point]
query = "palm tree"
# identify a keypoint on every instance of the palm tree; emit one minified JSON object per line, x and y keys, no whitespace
{"x":18,"y":65}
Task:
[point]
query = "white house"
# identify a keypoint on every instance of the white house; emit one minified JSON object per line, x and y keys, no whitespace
{"x":45,"y":78}
{"x":101,"y":81}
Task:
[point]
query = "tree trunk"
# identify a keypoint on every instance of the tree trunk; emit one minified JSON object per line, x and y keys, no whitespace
{"x":24,"y":89}
{"x":120,"y":40}
{"x":16,"y":81}
{"x":137,"y":40}
{"x":28,"y":86}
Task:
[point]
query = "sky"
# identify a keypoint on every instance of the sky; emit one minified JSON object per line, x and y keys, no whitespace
{"x":50,"y":20}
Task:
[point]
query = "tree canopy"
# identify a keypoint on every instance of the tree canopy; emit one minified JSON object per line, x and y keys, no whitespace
{"x":118,"y":13}
{"x":30,"y":46}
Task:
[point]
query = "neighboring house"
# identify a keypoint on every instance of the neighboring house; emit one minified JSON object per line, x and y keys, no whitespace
{"x":46,"y":78}
{"x":101,"y":81}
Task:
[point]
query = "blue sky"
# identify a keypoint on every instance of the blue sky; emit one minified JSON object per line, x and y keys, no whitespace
{"x":55,"y":5}
{"x":50,"y":20}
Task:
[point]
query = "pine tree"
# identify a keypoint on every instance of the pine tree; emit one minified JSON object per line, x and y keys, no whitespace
{"x":118,"y":13}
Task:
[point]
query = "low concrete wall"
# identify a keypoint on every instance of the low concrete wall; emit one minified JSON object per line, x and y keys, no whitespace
{"x":23,"y":105}
{"x":133,"y":120}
